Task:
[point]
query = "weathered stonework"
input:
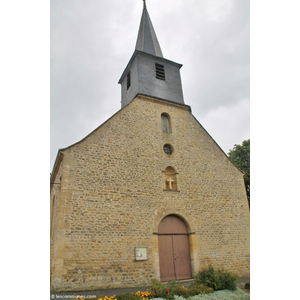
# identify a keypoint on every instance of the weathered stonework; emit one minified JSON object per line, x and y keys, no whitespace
{"x":112,"y":198}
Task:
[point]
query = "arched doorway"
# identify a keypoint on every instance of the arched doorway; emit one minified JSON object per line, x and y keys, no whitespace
{"x":174,"y":249}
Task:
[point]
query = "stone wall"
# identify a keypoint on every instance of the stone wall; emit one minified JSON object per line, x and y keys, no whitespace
{"x":55,"y":189}
{"x":113,"y":198}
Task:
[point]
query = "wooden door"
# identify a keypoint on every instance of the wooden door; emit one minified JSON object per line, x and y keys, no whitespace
{"x":174,"y":249}
{"x":166,"y":257}
{"x":182,"y":259}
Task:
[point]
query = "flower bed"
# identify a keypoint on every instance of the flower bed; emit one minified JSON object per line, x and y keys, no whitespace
{"x":210,"y":284}
{"x":217,"y":295}
{"x":108,"y":298}
{"x":238,"y":294}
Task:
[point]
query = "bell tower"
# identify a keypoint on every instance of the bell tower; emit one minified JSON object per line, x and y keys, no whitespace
{"x":148,"y":73}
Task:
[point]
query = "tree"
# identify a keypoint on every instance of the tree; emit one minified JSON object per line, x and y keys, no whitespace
{"x":240,"y":157}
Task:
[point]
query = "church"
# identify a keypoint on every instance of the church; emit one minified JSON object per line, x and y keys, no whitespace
{"x":147,"y":194}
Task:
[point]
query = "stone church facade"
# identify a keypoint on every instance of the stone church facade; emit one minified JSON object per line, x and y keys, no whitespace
{"x":149,"y":193}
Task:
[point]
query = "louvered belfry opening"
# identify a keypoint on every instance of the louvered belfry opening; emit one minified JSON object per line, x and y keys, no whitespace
{"x":160,"y":71}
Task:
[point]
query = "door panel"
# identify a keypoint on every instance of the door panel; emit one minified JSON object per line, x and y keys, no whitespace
{"x":166,"y":257}
{"x":182,"y":258}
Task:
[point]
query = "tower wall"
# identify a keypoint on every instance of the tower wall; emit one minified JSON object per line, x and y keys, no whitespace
{"x":128,"y":94}
{"x":143,"y":79}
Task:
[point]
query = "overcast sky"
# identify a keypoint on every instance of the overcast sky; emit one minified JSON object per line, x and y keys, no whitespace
{"x":93,"y":40}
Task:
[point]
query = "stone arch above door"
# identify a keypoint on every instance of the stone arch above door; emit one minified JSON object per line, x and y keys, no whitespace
{"x":186,"y":218}
{"x":172,"y":224}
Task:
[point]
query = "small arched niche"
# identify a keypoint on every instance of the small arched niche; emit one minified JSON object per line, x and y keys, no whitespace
{"x":170,"y":179}
{"x":165,"y":123}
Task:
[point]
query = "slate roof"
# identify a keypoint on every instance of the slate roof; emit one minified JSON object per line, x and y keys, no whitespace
{"x":147,"y":40}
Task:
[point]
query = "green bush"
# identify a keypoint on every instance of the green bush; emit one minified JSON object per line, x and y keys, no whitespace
{"x":160,"y":290}
{"x":128,"y":296}
{"x":182,"y":291}
{"x":218,"y":280}
{"x":197,"y":289}
{"x":193,"y":290}
{"x":170,"y":289}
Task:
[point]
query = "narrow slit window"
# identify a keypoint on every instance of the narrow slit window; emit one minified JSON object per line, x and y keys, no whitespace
{"x":165,"y":123}
{"x":128,"y":80}
{"x":160,"y":72}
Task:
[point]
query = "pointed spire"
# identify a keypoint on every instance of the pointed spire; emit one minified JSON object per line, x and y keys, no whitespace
{"x":147,"y":40}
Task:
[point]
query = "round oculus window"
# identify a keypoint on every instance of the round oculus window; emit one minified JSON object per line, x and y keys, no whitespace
{"x":168,"y":149}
